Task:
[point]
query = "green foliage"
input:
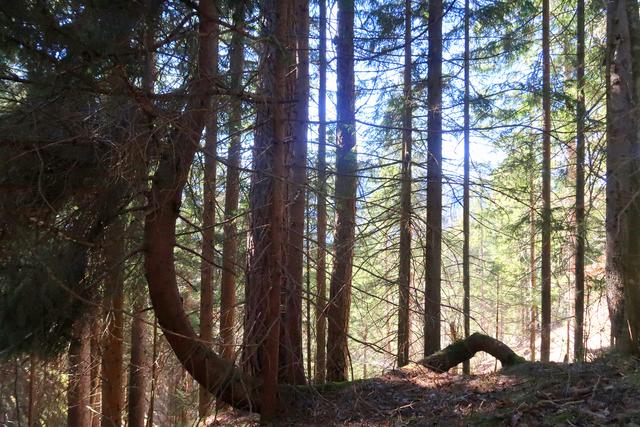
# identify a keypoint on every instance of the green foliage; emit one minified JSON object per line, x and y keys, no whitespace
{"x":42,"y":287}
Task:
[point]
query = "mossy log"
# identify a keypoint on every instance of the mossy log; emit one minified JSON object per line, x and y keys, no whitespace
{"x":465,"y":349}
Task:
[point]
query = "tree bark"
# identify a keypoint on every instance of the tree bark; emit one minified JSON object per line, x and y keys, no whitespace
{"x":465,"y":349}
{"x":209,"y":369}
{"x":545,"y":254}
{"x":404,"y":270}
{"x":578,"y":338}
{"x":154,"y":375}
{"x":433,"y":258}
{"x":345,"y":194}
{"x":208,"y":223}
{"x":138,"y":363}
{"x":533,"y":325}
{"x":273,"y":277}
{"x":321,"y":272}
{"x":620,"y":133}
{"x":232,"y":189}
{"x":291,"y":360}
{"x":79,"y":387}
{"x":632,"y":270}
{"x":113,"y":345}
{"x":466,"y":272}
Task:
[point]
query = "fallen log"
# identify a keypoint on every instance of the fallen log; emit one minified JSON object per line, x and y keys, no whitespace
{"x":465,"y":349}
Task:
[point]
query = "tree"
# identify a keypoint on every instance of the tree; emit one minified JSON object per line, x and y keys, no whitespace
{"x":208,"y":221}
{"x":291,"y":362}
{"x":79,"y":387}
{"x":466,"y":271}
{"x":112,"y":345}
{"x":232,"y":188}
{"x":345,"y":194}
{"x":578,"y":340}
{"x":404,"y":273}
{"x":623,"y":70}
{"x":209,"y":369}
{"x":433,"y":257}
{"x":545,"y":254}
{"x":321,"y":254}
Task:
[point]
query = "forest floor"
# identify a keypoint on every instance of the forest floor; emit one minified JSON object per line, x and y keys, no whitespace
{"x":603,"y":392}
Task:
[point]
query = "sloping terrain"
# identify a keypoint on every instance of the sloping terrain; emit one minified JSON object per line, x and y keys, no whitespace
{"x":603,"y":392}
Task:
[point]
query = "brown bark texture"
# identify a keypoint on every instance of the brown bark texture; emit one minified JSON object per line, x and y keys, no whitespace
{"x":433,"y":256}
{"x":345,"y":194}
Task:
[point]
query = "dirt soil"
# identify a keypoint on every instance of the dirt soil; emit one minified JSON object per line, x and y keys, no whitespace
{"x":603,"y":392}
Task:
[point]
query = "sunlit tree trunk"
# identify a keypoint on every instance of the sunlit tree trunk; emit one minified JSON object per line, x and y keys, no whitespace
{"x":112,"y":345}
{"x":578,"y":338}
{"x":533,"y":271}
{"x":466,"y":272}
{"x":619,"y":140}
{"x":345,"y":194}
{"x":545,"y":254}
{"x":433,"y":259}
{"x":404,"y":273}
{"x":623,"y":148}
{"x":291,"y":360}
{"x":321,"y":272}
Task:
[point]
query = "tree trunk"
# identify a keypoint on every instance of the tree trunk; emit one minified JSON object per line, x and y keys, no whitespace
{"x":32,"y":415}
{"x":620,"y":134}
{"x":465,"y":349}
{"x":321,"y":272}
{"x":533,"y":325}
{"x":232,"y":189}
{"x":345,"y":193}
{"x":208,"y":225}
{"x":466,"y":272}
{"x":112,"y":348}
{"x":623,"y":148}
{"x":95,"y":360}
{"x":632,"y":270}
{"x":79,"y":387}
{"x":404,"y":273}
{"x":291,"y":360}
{"x":138,"y":363}
{"x":433,"y":258}
{"x":275,"y":85}
{"x":545,"y":254}
{"x":154,"y":375}
{"x":203,"y":364}
{"x":578,"y":338}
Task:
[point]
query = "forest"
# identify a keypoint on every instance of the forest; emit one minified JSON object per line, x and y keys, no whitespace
{"x":319,"y":212}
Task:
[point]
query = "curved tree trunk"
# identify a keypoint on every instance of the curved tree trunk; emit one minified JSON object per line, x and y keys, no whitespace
{"x":463,"y":350}
{"x":217,"y":374}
